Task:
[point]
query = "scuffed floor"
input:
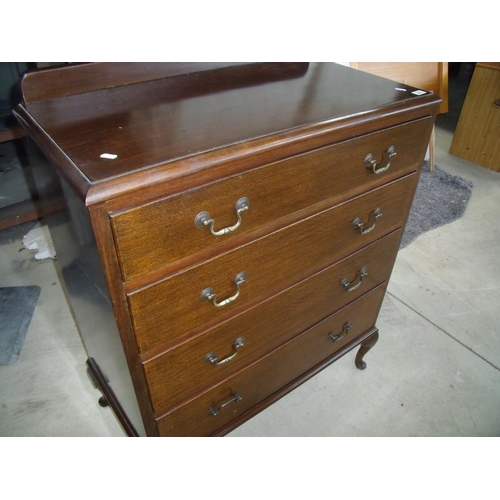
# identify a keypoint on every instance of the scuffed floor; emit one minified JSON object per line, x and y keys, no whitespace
{"x":38,"y":241}
{"x":47,"y":391}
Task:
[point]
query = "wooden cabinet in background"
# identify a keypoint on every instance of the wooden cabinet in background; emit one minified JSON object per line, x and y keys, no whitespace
{"x":431,"y":76}
{"x":477,"y":136}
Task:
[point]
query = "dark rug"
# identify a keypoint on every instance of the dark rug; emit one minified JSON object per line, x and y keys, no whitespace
{"x":440,"y":198}
{"x":17,"y":305}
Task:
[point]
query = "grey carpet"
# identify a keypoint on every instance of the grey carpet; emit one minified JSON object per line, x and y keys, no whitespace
{"x":440,"y":198}
{"x":17,"y":305}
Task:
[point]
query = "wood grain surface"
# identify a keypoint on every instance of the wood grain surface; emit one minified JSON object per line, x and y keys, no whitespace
{"x":163,"y":232}
{"x":173,"y":307}
{"x":477,"y":136}
{"x":173,"y":375}
{"x":272,"y":373}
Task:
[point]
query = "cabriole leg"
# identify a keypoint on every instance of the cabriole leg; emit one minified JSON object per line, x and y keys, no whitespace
{"x":366,"y":345}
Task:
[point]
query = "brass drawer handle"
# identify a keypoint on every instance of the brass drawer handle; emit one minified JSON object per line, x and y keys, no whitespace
{"x":370,"y":161}
{"x":235,"y":399}
{"x":342,"y":334}
{"x":360,"y":275}
{"x":209,"y":294}
{"x":203,"y":219}
{"x":212,"y":357}
{"x":357,"y":224}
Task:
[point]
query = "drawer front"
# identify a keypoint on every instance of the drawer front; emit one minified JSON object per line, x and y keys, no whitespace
{"x":163,"y":232}
{"x":183,"y":372}
{"x":272,"y":373}
{"x":174,"y":307}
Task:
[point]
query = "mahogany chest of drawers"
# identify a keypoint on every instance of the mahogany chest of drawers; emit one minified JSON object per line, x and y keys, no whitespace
{"x":230,"y":228}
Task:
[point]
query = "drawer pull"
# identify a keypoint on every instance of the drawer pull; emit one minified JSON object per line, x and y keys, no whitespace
{"x":357,"y":224}
{"x":235,"y":399}
{"x":203,"y":219}
{"x":342,"y":334}
{"x":209,"y":294}
{"x":360,"y":275}
{"x":212,"y":357}
{"x":370,"y":161}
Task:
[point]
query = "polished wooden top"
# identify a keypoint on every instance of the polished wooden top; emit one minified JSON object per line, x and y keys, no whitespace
{"x":108,"y":133}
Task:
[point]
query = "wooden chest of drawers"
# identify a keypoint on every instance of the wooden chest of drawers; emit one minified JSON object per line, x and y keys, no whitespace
{"x":230,"y":228}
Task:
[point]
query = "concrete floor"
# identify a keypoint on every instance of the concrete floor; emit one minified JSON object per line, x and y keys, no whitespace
{"x":434,"y":372}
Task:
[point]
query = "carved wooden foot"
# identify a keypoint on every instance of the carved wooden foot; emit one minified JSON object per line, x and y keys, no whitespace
{"x":366,"y":345}
{"x":108,"y":397}
{"x":103,"y":402}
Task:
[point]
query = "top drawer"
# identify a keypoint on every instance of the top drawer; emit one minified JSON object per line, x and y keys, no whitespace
{"x":154,"y":235}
